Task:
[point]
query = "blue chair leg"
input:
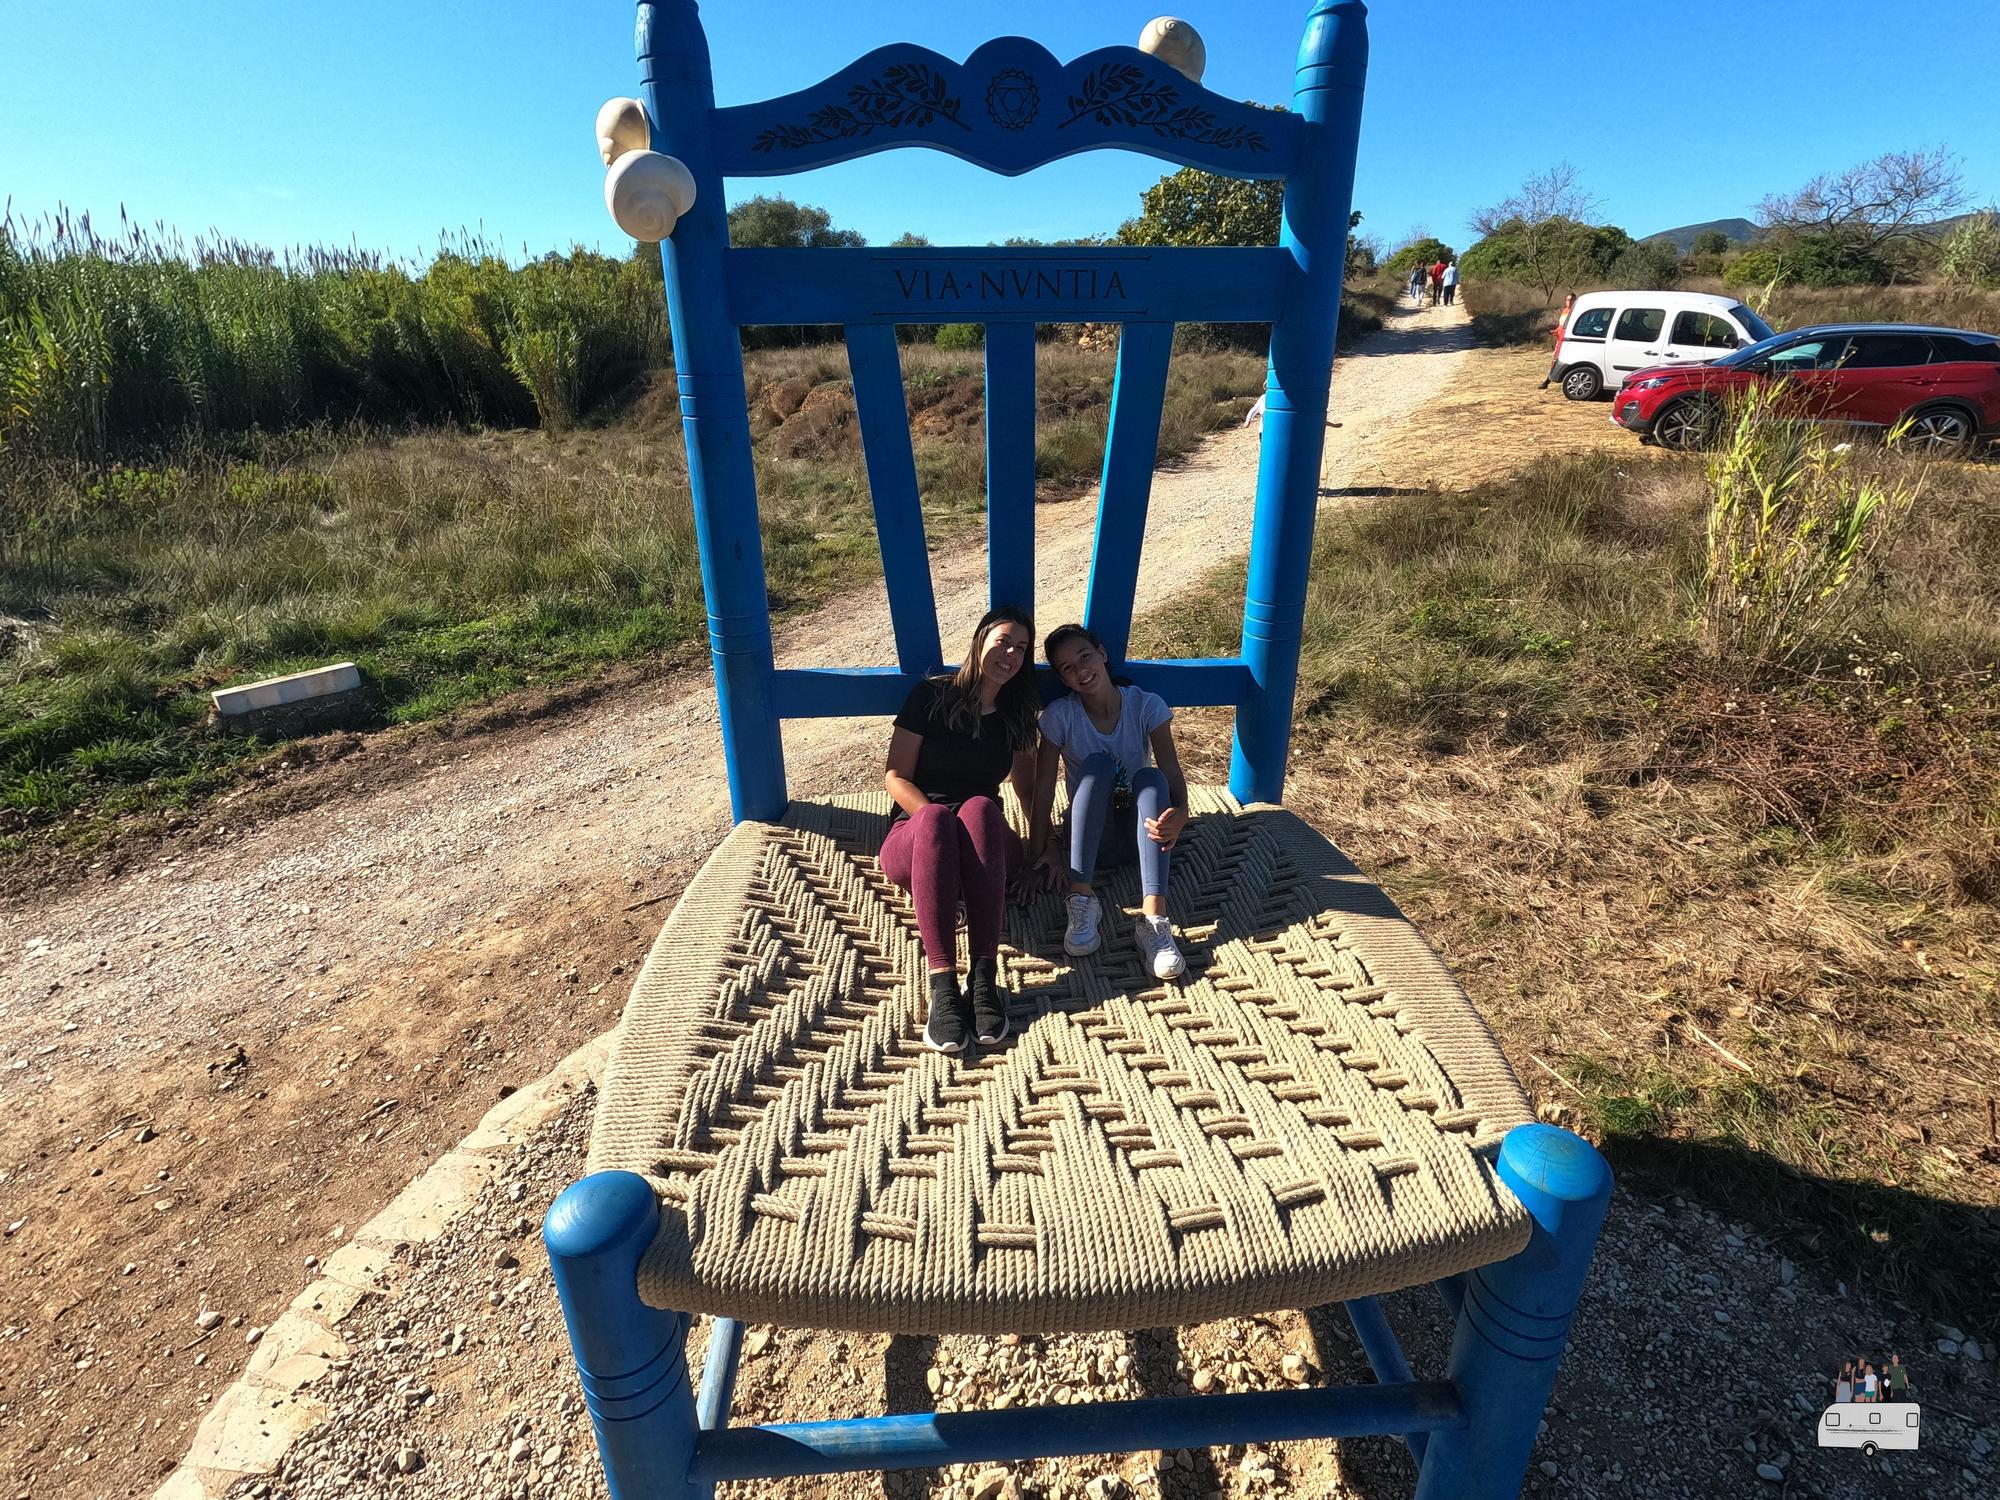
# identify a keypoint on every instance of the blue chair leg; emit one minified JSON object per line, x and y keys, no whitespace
{"x":633,"y":1358}
{"x":1515,"y":1315}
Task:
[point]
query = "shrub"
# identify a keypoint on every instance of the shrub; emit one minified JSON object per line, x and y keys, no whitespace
{"x":961,"y":336}
{"x":1646,"y":267}
{"x":1790,"y":522}
{"x":1970,"y":254}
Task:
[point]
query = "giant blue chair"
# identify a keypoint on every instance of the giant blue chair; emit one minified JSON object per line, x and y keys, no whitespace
{"x":1315,"y":1113}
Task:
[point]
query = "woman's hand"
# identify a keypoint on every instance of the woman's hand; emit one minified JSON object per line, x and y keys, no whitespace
{"x":1042,"y":872}
{"x":1165,"y":830}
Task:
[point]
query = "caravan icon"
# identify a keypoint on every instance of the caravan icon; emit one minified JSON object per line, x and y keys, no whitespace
{"x":1869,"y":1425}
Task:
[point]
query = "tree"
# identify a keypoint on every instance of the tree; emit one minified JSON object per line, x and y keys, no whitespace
{"x":779,"y":224}
{"x":1867,"y":222}
{"x":1646,"y":267}
{"x":1710,"y":242}
{"x":1363,"y":250}
{"x":1421,"y":249}
{"x":909,"y":239}
{"x":1551,"y":245}
{"x":1193,"y":207}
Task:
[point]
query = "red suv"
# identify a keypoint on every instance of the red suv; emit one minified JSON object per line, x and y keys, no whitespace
{"x":1944,"y":381}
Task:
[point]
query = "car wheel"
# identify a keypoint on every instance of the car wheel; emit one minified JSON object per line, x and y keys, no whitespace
{"x":1939,"y":432}
{"x":1582,"y":382}
{"x":1686,"y":425}
{"x":1868,"y":1450}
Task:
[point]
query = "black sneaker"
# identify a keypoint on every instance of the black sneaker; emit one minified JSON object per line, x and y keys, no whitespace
{"x":989,"y":1002}
{"x":945,"y":1030}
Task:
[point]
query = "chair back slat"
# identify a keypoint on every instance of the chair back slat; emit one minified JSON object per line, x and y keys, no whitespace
{"x":1138,"y":392}
{"x":1010,"y":107}
{"x":1235,"y":284}
{"x":883,"y":415}
{"x":1010,"y":464}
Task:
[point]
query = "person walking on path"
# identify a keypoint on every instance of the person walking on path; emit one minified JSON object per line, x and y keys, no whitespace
{"x":948,"y":844}
{"x":1437,"y":281}
{"x":1417,"y":274}
{"x":1450,"y":282}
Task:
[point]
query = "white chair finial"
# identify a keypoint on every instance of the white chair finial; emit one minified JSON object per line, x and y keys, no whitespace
{"x":1176,"y":44}
{"x":622,"y":126}
{"x":647,"y":193}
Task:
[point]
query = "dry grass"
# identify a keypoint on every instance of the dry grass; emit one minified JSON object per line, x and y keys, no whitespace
{"x":1505,"y":313}
{"x":1743,"y":935}
{"x":454,"y":566}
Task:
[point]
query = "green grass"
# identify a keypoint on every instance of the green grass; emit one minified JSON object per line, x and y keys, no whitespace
{"x":452,"y":567}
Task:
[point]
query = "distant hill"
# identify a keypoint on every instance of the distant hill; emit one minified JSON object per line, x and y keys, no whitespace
{"x":1743,"y":231}
{"x":1737,"y":231}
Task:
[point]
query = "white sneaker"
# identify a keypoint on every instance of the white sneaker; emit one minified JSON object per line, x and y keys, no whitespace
{"x":1082,"y":935}
{"x":1154,"y":938}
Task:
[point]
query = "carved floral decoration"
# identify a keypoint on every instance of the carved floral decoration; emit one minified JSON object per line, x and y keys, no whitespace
{"x":914,"y":95}
{"x":1124,"y":94}
{"x":906,"y":95}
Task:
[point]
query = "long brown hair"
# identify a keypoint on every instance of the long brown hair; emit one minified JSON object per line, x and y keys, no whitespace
{"x":1018,"y":703}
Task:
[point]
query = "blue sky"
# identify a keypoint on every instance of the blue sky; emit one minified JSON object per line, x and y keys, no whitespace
{"x":382,"y":124}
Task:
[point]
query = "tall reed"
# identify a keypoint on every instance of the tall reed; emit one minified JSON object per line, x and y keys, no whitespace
{"x":113,"y":342}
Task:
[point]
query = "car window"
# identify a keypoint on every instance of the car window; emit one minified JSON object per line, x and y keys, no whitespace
{"x":1590,"y":324}
{"x":1756,"y":352}
{"x":1809,"y":354}
{"x":1703,"y":331}
{"x":1949,"y":349}
{"x":1641,"y":323}
{"x":1888,"y":351}
{"x":1755,"y":326}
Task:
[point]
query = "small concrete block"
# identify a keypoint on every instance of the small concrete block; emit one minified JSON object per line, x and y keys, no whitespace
{"x":424,"y":1209}
{"x":248,"y":1430}
{"x":362,"y":1266}
{"x":515,"y":1118}
{"x":329,"y":1301}
{"x":525,"y":1111}
{"x":291,"y":1374}
{"x":288,"y":1347}
{"x":185,"y":1484}
{"x":277,"y":692}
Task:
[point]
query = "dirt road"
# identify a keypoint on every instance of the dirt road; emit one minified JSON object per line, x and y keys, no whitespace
{"x":221,"y":1055}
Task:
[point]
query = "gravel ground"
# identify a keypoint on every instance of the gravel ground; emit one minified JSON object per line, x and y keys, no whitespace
{"x":1697,"y":1367}
{"x":451,"y":921}
{"x":219,"y":1049}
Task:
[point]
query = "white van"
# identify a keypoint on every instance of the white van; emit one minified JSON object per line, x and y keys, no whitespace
{"x":1869,"y":1425}
{"x":1611,"y":334}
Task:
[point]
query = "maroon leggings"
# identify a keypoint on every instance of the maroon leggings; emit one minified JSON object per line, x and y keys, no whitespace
{"x":942,"y":857}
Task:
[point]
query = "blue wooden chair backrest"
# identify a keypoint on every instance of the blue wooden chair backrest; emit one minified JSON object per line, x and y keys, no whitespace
{"x":1010,"y":107}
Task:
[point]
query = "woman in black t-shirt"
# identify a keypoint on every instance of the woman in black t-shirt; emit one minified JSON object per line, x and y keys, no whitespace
{"x":955,"y":740}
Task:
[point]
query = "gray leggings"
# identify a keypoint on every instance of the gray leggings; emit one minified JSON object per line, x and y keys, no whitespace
{"x":1089,"y":811}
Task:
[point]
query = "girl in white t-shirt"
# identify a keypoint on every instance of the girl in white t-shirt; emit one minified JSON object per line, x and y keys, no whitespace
{"x":1127,"y":797}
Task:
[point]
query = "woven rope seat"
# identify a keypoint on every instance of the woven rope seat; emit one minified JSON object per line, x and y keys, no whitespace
{"x":1311,"y":1113}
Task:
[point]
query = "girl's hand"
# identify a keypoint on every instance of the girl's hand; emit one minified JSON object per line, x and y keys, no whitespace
{"x":1041,"y":873}
{"x":1165,"y":830}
